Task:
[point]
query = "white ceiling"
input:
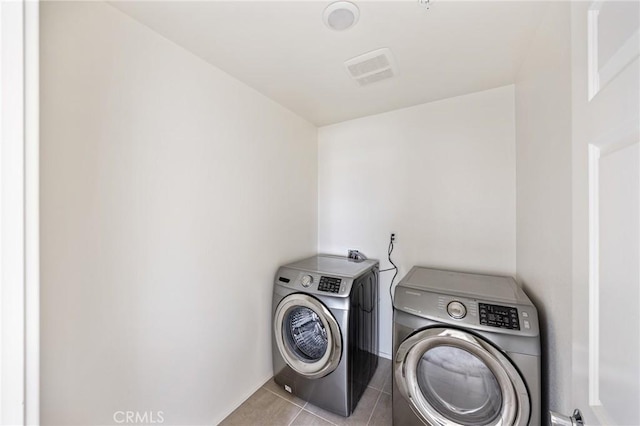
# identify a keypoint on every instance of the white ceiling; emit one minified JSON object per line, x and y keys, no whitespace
{"x":283,"y":50}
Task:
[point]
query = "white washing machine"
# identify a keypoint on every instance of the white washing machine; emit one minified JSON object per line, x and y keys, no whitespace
{"x":466,"y":351}
{"x":325,"y":330}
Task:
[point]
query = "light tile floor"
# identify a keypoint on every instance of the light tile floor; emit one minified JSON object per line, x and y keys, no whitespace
{"x":271,"y":405}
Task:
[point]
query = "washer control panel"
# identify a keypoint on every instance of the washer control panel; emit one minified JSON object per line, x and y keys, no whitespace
{"x":329,"y":284}
{"x":499,"y":316}
{"x":314,"y":283}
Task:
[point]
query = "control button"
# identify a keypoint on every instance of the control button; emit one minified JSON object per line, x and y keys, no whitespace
{"x":527,"y":325}
{"x":525,"y":315}
{"x":456,"y":310}
{"x":306,"y":280}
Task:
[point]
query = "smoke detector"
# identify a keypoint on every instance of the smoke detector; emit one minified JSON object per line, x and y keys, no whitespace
{"x":341,"y":15}
{"x":371,"y":67}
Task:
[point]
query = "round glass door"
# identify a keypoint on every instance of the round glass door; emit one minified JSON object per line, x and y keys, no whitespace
{"x":459,"y":385}
{"x":307,"y":335}
{"x":450,"y":377}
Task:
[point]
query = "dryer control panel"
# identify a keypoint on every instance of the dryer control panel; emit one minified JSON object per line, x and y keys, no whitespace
{"x":470,"y":312}
{"x":499,"y":316}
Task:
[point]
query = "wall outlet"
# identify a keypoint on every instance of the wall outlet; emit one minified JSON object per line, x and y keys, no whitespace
{"x":393,"y":237}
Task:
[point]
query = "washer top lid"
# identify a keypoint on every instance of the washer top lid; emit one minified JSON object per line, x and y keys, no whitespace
{"x":485,"y":287}
{"x":333,"y":265}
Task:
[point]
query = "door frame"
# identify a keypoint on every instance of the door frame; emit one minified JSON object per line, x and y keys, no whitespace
{"x":19,"y":213}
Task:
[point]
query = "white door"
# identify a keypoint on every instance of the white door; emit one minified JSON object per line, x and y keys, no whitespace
{"x":606,"y":187}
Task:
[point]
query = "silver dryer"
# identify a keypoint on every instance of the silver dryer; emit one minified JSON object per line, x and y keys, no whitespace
{"x":466,"y":351}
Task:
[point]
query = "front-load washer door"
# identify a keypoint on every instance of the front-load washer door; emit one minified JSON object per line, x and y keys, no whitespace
{"x":451,"y":377}
{"x":307,"y":335}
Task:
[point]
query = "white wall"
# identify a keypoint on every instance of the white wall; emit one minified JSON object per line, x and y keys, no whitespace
{"x":440,"y":175}
{"x":170,"y":194}
{"x":543,"y":164}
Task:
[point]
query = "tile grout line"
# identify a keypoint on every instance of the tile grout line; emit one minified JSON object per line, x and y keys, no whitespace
{"x":302,"y":407}
{"x":388,"y":378}
{"x":296,"y":416}
{"x":385,"y":384}
{"x":280,"y":396}
{"x":320,"y":417}
{"x":374,"y":408}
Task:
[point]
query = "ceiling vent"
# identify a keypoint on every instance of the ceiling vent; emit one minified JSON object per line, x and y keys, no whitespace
{"x":371,"y":67}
